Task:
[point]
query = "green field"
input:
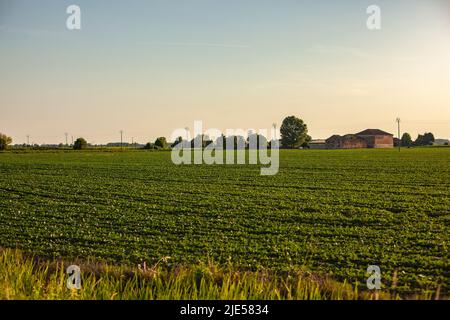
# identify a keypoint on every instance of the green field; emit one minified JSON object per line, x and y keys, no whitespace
{"x":333,"y":212}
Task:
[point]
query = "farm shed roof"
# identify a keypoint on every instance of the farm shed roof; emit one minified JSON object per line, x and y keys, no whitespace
{"x":373,"y":132}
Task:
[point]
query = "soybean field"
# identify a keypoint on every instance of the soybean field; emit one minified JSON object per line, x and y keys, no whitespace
{"x":327,"y":211}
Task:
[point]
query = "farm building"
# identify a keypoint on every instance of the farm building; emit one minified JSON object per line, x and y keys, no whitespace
{"x":369,"y":138}
{"x":377,"y":138}
{"x":317,"y":144}
{"x":349,"y":141}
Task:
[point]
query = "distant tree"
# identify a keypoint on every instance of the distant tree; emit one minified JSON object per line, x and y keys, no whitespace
{"x":307,"y":141}
{"x":80,"y":144}
{"x":161,"y":143}
{"x":201,"y":140}
{"x":221,"y":141}
{"x":419,"y":140}
{"x":5,"y":141}
{"x":294,"y":132}
{"x":235,"y":142}
{"x":424,"y":140}
{"x":261,"y":141}
{"x":429,"y":138}
{"x":149,"y":146}
{"x":177,"y":141}
{"x":198,"y":140}
{"x":406,"y":140}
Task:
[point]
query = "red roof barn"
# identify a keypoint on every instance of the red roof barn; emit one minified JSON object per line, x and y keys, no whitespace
{"x":369,"y":138}
{"x":377,"y":138}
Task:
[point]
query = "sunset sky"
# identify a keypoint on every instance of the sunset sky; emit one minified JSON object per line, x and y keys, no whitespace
{"x":149,"y":67}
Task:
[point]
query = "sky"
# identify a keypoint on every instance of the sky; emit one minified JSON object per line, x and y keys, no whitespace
{"x":150,"y":67}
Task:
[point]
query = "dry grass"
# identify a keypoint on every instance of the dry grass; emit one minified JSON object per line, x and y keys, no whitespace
{"x":23,"y":277}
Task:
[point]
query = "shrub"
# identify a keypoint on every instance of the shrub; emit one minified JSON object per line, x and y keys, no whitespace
{"x":149,"y":146}
{"x":5,"y":141}
{"x":406,"y":140}
{"x":80,"y":144}
{"x":161,"y":143}
{"x":294,"y":132}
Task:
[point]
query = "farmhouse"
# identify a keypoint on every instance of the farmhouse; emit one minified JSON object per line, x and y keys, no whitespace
{"x":349,"y":141}
{"x":369,"y":138}
{"x":317,"y":144}
{"x":377,"y":138}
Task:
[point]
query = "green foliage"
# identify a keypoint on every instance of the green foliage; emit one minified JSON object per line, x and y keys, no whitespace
{"x":149,"y":146}
{"x":331,"y":211}
{"x":260,"y":140}
{"x":221,"y":141}
{"x":161,"y":143}
{"x":176,"y":142}
{"x":5,"y":141}
{"x":406,"y":140}
{"x":201,"y":141}
{"x":21,"y":277}
{"x":294,"y":132}
{"x":424,"y":140}
{"x":234,"y":142}
{"x":80,"y":144}
{"x":308,"y":139}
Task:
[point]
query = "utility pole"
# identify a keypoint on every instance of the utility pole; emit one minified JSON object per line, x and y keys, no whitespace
{"x":121,"y":141}
{"x":66,"y":138}
{"x":28,"y":140}
{"x":132,"y":141}
{"x":72,"y":140}
{"x":399,"y":140}
{"x":274,"y":125}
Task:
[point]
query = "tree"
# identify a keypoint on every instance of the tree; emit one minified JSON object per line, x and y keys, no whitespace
{"x":149,"y":146}
{"x":80,"y":144}
{"x":177,"y":142}
{"x":260,"y":140}
{"x":419,"y":140}
{"x":161,"y":143}
{"x":201,"y":141}
{"x":406,"y":140}
{"x":234,"y":142}
{"x":424,"y":140}
{"x":307,"y":141}
{"x":221,"y":142}
{"x":294,"y":132}
{"x":5,"y":141}
{"x":429,"y":138}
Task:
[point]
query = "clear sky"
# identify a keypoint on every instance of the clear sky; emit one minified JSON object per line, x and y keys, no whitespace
{"x":149,"y":67}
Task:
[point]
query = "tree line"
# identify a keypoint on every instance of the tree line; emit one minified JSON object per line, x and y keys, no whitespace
{"x":293,"y":132}
{"x":426,"y":139}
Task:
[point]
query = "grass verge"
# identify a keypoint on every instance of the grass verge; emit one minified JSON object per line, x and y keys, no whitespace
{"x":25,"y":277}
